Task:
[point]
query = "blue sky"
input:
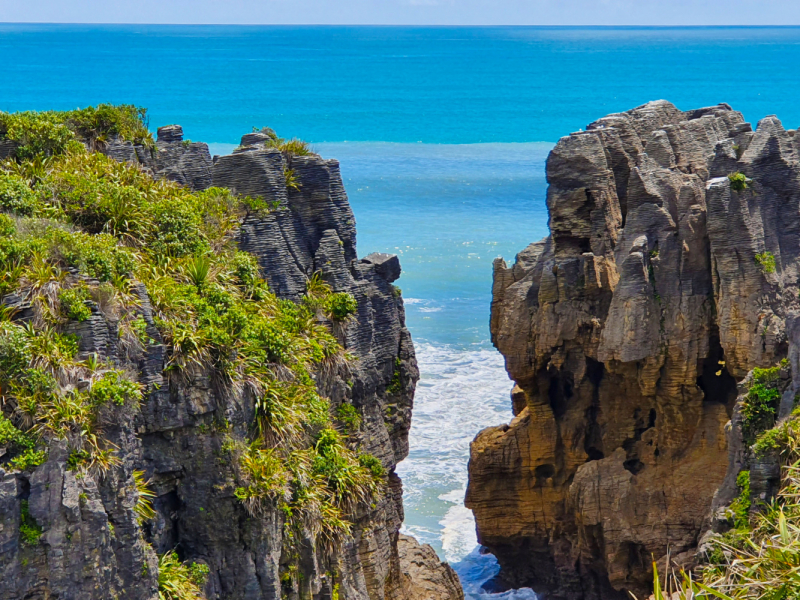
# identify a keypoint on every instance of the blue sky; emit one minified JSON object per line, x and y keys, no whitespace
{"x":412,"y":12}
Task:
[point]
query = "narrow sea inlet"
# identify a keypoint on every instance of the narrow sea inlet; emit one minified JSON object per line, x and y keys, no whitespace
{"x":448,"y":211}
{"x":447,"y":169}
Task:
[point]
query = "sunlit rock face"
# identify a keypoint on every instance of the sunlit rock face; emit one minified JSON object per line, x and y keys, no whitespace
{"x":94,"y":547}
{"x":626,"y":331}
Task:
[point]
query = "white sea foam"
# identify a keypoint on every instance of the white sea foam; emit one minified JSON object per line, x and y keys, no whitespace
{"x":460,"y":392}
{"x":458,"y":531}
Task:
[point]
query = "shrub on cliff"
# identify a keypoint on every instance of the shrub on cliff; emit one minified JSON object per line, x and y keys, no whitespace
{"x":180,"y":581}
{"x":15,"y":195}
{"x":341,"y":306}
{"x":761,"y":405}
{"x":738,"y":181}
{"x":766,"y":260}
{"x":50,"y":133}
{"x":96,"y":231}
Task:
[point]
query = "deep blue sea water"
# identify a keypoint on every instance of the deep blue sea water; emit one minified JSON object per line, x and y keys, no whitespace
{"x":442,"y":135}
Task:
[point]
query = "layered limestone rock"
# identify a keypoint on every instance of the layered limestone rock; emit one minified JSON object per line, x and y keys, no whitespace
{"x":424,"y":576}
{"x":92,"y":545}
{"x":626,"y":331}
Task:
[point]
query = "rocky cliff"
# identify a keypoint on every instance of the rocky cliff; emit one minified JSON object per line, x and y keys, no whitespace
{"x":670,"y":271}
{"x":92,"y":545}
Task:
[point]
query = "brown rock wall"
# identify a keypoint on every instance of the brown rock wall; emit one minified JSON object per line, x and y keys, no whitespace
{"x":625,"y":331}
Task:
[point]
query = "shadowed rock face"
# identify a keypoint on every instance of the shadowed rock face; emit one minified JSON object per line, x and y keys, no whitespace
{"x":626,"y":331}
{"x":171,"y":437}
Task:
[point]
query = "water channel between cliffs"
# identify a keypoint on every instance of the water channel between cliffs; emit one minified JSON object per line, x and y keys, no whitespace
{"x":447,"y":211}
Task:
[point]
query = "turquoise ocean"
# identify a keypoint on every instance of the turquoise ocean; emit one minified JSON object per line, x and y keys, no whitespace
{"x":442,"y":134}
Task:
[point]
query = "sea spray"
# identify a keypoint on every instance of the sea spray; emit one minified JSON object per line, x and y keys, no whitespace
{"x":461,"y":391}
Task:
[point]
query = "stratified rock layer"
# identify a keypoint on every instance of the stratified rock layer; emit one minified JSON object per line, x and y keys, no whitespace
{"x":92,"y":546}
{"x":423,"y":575}
{"x":625,"y":331}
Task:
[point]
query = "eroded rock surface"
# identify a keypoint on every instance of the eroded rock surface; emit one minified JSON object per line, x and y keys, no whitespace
{"x":424,"y":576}
{"x":626,"y":331}
{"x":92,"y":545}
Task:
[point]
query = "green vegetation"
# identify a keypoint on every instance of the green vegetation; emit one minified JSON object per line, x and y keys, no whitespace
{"x":53,"y":132}
{"x":348,"y":415}
{"x":83,"y":230}
{"x":395,"y":385}
{"x":15,"y":195}
{"x":20,"y":447}
{"x":738,"y":181}
{"x":373,"y":464}
{"x":766,"y":260}
{"x":29,"y":530}
{"x":73,"y":303}
{"x":741,"y":505}
{"x":144,"y":498}
{"x":773,"y":440}
{"x":341,"y":305}
{"x":293,"y":147}
{"x":180,"y":581}
{"x":291,"y":180}
{"x":761,"y":406}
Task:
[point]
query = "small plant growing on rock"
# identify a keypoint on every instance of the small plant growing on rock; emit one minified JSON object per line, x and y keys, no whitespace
{"x":373,"y":464}
{"x":341,"y":305}
{"x":73,"y":303}
{"x":291,"y":180}
{"x":738,"y":181}
{"x":20,"y":446}
{"x":759,"y":409}
{"x":29,"y":530}
{"x":395,"y":385}
{"x":741,"y":504}
{"x":144,"y":498}
{"x":349,"y":417}
{"x":766,"y":260}
{"x":177,"y":580}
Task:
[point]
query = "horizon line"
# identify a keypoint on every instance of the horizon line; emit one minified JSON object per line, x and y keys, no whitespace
{"x":426,"y":25}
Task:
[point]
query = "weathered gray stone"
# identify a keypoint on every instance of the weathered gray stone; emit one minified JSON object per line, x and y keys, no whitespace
{"x":170,"y":133}
{"x":387,"y":265}
{"x":93,"y":548}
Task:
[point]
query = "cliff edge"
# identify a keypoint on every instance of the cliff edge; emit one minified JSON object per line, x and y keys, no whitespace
{"x":670,"y":272}
{"x":226,"y":393}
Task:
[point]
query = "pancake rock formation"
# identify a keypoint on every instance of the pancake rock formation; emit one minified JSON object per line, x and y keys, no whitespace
{"x":670,"y":272}
{"x":173,"y":437}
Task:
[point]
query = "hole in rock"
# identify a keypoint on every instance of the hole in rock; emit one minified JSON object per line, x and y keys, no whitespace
{"x":593,"y":440}
{"x":25,"y":489}
{"x":714,"y":380}
{"x":166,"y":536}
{"x":594,"y":454}
{"x":634,"y":465}
{"x":544,"y":472}
{"x":559,"y":392}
